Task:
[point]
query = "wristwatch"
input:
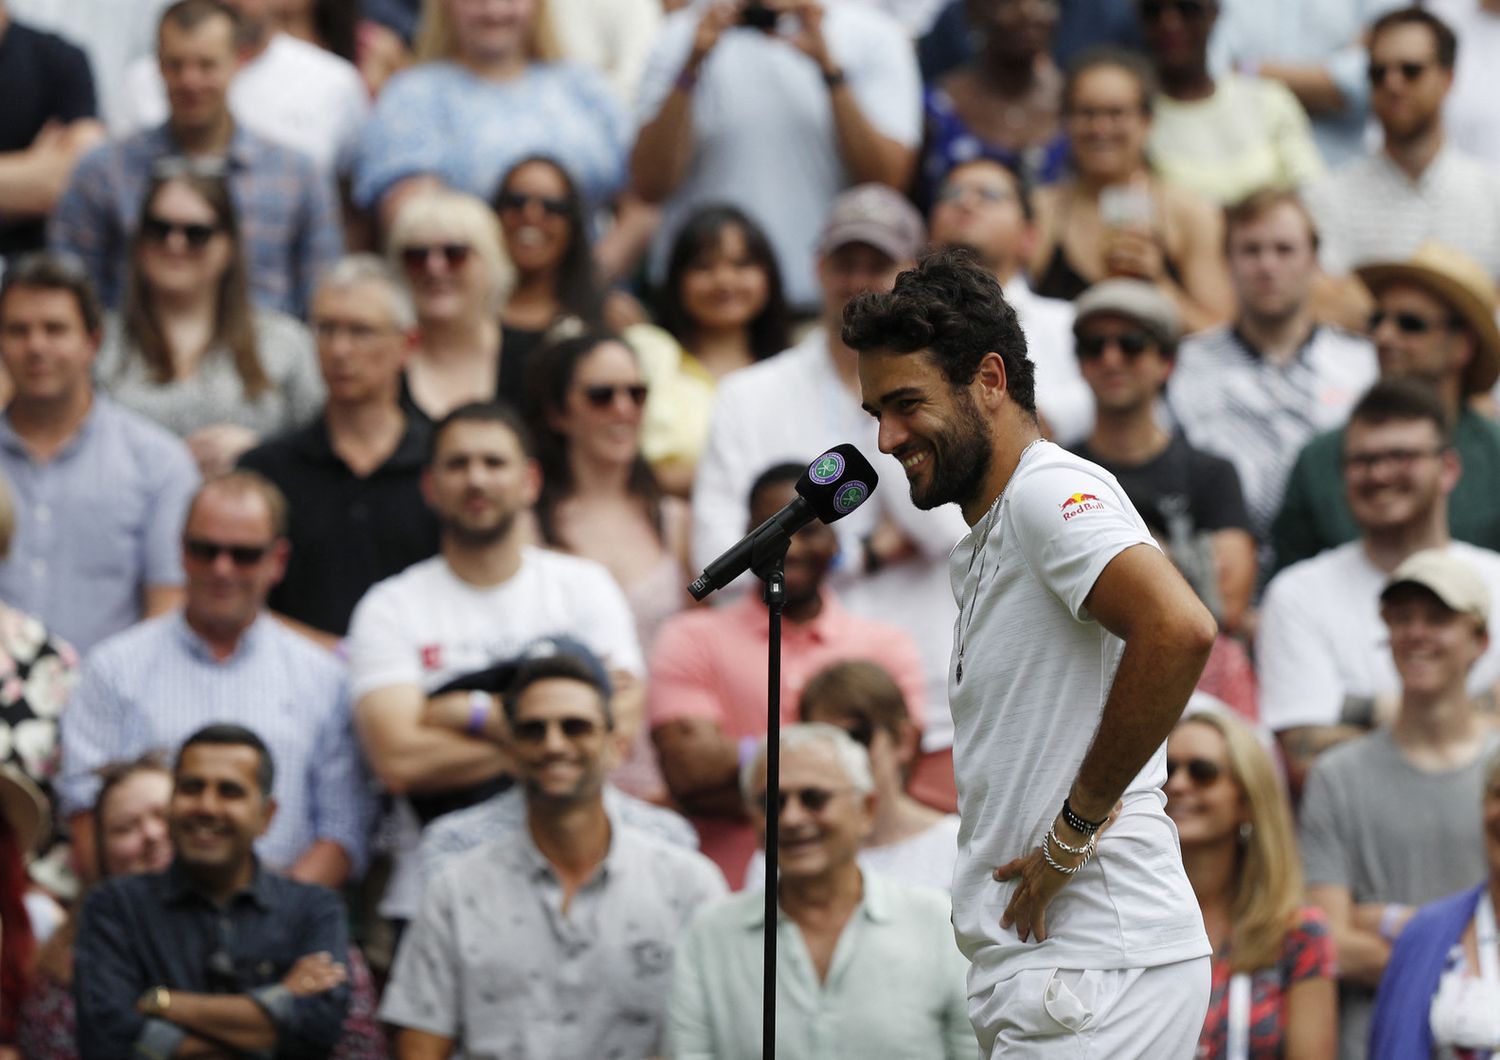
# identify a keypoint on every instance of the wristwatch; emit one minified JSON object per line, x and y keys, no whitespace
{"x":155,"y":1002}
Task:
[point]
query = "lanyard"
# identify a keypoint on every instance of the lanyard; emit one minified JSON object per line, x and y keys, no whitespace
{"x":1238,"y":1032}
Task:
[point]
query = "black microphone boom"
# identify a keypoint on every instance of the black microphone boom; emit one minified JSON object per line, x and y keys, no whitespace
{"x":833,"y":485}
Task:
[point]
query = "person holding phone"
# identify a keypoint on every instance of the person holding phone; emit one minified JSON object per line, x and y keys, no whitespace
{"x":1115,"y":216}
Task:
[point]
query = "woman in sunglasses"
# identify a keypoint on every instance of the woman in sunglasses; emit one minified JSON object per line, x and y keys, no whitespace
{"x":448,"y":247}
{"x":1274,"y":993}
{"x":546,"y":235}
{"x":1440,"y":993}
{"x":721,"y":308}
{"x":599,"y":499}
{"x":130,"y":813}
{"x":1115,"y":216}
{"x":188,"y":349}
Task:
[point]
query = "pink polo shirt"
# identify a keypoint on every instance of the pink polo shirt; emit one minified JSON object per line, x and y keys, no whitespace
{"x":711,"y":663}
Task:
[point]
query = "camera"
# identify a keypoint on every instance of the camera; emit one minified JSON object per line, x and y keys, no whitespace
{"x":757,"y":15}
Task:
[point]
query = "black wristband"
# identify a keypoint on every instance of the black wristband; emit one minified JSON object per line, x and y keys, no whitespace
{"x":834,"y":78}
{"x":1079,"y":824}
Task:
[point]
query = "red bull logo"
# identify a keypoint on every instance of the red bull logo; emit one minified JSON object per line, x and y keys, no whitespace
{"x":1078,"y":503}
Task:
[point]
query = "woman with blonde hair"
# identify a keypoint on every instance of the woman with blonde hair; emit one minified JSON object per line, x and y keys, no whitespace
{"x":1274,"y":992}
{"x":487,"y":90}
{"x":449,"y":248}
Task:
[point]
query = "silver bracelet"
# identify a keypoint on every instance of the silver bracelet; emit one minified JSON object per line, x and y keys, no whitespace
{"x":1086,"y":849}
{"x":1065,"y":870}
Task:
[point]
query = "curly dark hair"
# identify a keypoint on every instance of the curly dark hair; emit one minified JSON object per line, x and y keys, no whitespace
{"x":950,"y":305}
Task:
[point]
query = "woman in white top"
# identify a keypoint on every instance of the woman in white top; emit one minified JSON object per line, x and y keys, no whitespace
{"x":188,"y":349}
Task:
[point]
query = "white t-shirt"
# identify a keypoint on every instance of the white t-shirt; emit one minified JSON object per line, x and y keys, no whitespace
{"x":425,"y":627}
{"x":1321,"y":639}
{"x":1036,"y":672}
{"x":293,"y":93}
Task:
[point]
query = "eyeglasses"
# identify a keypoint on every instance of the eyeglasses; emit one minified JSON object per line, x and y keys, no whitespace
{"x":1409,"y":323}
{"x":1201,"y":771}
{"x":603,"y":396}
{"x":159,"y":230}
{"x":517,"y":201}
{"x":1187,"y":10}
{"x":1131,"y":343}
{"x":951,"y":193}
{"x":206,"y":551}
{"x":417,"y":255}
{"x":535,"y":730}
{"x":1409,"y":71}
{"x":1113,"y":115}
{"x":359,"y":334}
{"x":813,"y":800}
{"x":1398,"y":459}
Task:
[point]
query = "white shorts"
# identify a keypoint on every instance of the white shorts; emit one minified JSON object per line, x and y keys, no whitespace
{"x":1149,"y":1013}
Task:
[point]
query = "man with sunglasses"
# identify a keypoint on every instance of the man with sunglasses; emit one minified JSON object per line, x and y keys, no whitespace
{"x":865,"y":966}
{"x":224,"y":657}
{"x":1324,"y":665}
{"x":1389,"y":820}
{"x":1434,"y":320}
{"x":1418,"y":185}
{"x":479,"y":602}
{"x":215,"y":956}
{"x":1126,"y":334}
{"x":555,"y":940}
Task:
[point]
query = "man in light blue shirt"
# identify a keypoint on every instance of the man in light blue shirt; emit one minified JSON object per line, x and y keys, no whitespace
{"x":864,"y":966}
{"x":223,"y":658}
{"x":100,"y":491}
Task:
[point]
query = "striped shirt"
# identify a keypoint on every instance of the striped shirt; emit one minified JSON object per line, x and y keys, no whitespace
{"x":1232,"y":401}
{"x":156,"y":684}
{"x":288,"y":214}
{"x":1370,"y":210}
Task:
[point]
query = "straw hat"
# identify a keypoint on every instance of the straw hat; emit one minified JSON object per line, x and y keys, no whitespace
{"x":1462,"y":283}
{"x":24,"y":808}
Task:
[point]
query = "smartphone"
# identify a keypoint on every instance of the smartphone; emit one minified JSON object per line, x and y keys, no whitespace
{"x":757,"y":15}
{"x":1126,"y":206}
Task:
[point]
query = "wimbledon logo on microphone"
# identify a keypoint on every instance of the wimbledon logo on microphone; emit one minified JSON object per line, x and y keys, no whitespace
{"x":850,"y":496}
{"x":826,"y":468}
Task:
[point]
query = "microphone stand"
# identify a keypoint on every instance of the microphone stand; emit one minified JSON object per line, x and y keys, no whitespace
{"x":771,"y":569}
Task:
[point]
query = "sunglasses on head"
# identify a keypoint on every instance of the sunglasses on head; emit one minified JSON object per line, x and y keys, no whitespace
{"x":1187,"y":10}
{"x":1409,"y":71}
{"x":515,"y":200}
{"x":1408,"y":323}
{"x":418,"y":255}
{"x":603,"y":396}
{"x":206,"y":551}
{"x":813,"y":800}
{"x":1131,"y":343}
{"x":159,"y":230}
{"x":1201,"y":771}
{"x":535,"y":730}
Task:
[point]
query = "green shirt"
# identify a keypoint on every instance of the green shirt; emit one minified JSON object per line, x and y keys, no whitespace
{"x":1315,"y":515}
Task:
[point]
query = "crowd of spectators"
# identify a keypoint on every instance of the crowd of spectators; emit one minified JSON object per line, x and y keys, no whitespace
{"x":377,"y":374}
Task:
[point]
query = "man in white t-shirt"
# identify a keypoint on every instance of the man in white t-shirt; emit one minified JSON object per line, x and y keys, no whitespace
{"x":287,"y":90}
{"x":475,"y":605}
{"x":1076,"y":647}
{"x":1322,"y":652}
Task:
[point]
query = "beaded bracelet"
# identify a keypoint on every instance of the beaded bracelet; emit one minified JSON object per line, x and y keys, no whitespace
{"x":1080,"y":824}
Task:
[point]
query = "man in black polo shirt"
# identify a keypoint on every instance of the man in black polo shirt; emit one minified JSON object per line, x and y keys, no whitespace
{"x":352,"y":476}
{"x":46,"y":121}
{"x":213,"y":956}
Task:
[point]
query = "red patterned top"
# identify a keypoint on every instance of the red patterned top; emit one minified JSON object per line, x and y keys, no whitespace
{"x":1306,"y":953}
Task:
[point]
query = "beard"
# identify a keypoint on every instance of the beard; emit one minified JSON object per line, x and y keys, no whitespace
{"x":961,"y":454}
{"x":469,"y":535}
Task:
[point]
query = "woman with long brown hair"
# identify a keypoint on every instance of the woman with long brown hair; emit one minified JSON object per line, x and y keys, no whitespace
{"x":188,"y":348}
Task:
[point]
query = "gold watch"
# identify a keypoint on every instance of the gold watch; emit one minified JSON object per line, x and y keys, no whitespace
{"x":155,"y":1002}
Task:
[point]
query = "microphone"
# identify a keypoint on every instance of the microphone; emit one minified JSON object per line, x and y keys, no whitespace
{"x":833,"y":485}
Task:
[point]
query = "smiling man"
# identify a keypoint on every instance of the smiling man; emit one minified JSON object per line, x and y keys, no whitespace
{"x":557,"y":939}
{"x":1077,"y":646}
{"x":865,"y":966}
{"x":213,"y":956}
{"x":224,"y":658}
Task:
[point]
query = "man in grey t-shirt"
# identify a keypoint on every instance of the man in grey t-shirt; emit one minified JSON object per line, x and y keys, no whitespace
{"x":1390,"y":819}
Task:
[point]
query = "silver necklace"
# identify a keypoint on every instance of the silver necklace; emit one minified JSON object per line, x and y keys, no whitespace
{"x":984,"y":537}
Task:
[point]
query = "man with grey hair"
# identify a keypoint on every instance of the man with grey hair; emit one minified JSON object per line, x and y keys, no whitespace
{"x":865,"y":966}
{"x":352,"y":477}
